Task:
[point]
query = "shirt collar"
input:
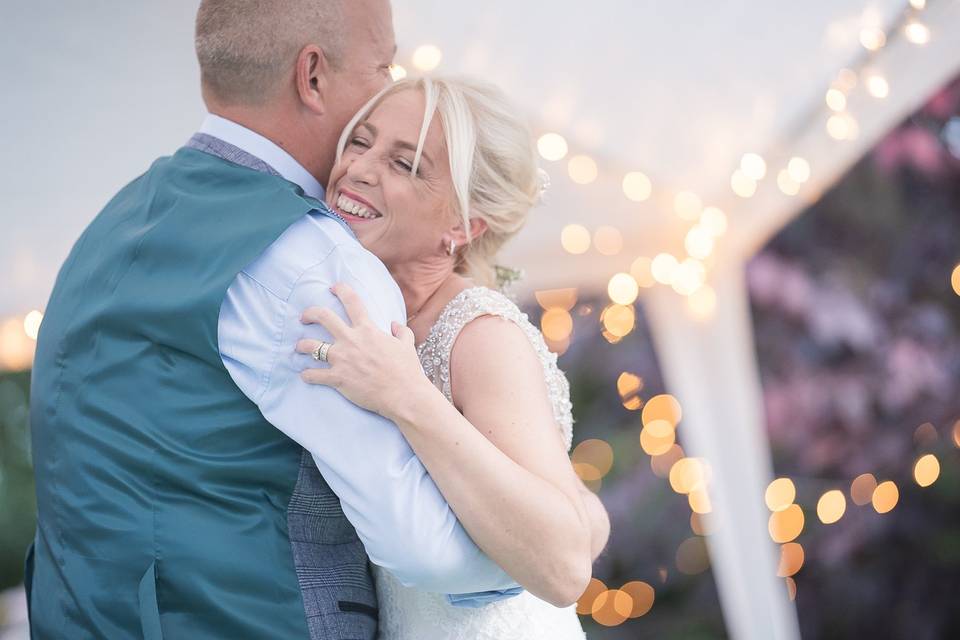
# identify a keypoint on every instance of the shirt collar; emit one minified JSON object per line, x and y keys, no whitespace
{"x":264,"y":149}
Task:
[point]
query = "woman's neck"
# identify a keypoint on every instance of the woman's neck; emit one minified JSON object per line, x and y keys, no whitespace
{"x":426,"y":289}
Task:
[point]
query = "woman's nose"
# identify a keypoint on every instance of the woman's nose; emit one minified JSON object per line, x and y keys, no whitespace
{"x":363,"y":170}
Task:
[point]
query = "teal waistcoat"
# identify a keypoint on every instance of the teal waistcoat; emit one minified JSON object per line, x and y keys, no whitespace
{"x":162,"y":492}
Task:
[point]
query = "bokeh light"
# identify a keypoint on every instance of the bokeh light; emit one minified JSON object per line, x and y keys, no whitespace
{"x":623,"y":289}
{"x":657,"y":437}
{"x":753,"y":166}
{"x":582,"y":169}
{"x":661,"y":465}
{"x":427,"y":57}
{"x":926,"y":470}
{"x":786,"y":525}
{"x":791,"y":559}
{"x":637,"y":186}
{"x":872,"y":38}
{"x":596,"y":453}
{"x":955,"y":280}
{"x":642,"y":595}
{"x":608,"y":240}
{"x":688,"y":276}
{"x":791,"y":589}
{"x":642,"y":272}
{"x":575,"y":239}
{"x":589,"y":596}
{"x":663,"y":267}
{"x":31,"y":324}
{"x":702,"y":302}
{"x":877,"y":86}
{"x":662,"y":407}
{"x":397,"y":72}
{"x":552,"y":146}
{"x":885,"y":496}
{"x":698,"y":243}
{"x":917,"y":32}
{"x":699,"y":501}
{"x":713,"y":221}
{"x":799,"y":169}
{"x":702,"y":524}
{"x":612,"y":607}
{"x":557,"y":298}
{"x":862,"y":488}
{"x":780,"y":494}
{"x":556,"y":324}
{"x":742,"y":184}
{"x":688,"y":474}
{"x":836,"y":99}
{"x":692,"y":556}
{"x":831,"y":506}
{"x":618,"y":320}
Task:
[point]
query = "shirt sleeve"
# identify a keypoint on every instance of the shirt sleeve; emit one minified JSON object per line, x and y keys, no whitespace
{"x":401,"y":517}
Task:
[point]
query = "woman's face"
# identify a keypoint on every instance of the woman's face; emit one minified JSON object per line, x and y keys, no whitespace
{"x":399,"y":216}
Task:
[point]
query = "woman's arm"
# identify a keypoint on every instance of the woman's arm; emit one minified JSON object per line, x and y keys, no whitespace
{"x":599,"y":521}
{"x":500,"y":464}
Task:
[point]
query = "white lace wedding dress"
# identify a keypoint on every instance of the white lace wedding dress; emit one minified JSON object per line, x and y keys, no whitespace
{"x":410,"y":614}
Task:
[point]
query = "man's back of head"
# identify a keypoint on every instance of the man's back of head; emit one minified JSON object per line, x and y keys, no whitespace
{"x":294,"y":71}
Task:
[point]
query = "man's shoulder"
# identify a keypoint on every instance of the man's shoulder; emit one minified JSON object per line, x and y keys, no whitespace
{"x":317,"y":248}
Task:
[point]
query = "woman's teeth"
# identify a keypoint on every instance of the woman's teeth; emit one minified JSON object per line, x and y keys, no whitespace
{"x":355,"y":208}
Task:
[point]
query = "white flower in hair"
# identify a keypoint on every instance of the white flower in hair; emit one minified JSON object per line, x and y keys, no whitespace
{"x":544,"y":179}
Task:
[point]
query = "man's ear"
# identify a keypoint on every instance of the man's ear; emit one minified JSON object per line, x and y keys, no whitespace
{"x":313,"y":78}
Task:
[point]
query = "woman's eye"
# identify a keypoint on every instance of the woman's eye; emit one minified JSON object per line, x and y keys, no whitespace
{"x":406,"y":165}
{"x":359,"y":142}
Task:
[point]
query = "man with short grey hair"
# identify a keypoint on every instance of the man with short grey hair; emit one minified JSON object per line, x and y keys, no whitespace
{"x":189,"y":484}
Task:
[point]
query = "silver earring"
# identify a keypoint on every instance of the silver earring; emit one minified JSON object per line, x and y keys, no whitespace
{"x":453,"y":248}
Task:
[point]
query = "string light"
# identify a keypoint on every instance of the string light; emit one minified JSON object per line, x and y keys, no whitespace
{"x":623,"y":289}
{"x":836,"y":99}
{"x":427,"y":57}
{"x":877,"y":86}
{"x":742,"y":184}
{"x":31,"y":324}
{"x":637,"y":186}
{"x":872,"y":38}
{"x":753,"y":166}
{"x":575,"y":239}
{"x":608,"y":240}
{"x":552,"y":146}
{"x":582,"y":169}
{"x":917,"y":32}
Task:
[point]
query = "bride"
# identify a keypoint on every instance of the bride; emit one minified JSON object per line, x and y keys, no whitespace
{"x":479,"y":398}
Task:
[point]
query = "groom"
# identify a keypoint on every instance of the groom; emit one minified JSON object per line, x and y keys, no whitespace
{"x":189,"y":485}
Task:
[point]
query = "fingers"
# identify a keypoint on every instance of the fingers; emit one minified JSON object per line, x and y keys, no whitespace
{"x":403,"y":333}
{"x":356,"y":310}
{"x":327,"y":319}
{"x":308,"y":346}
{"x":319,"y":376}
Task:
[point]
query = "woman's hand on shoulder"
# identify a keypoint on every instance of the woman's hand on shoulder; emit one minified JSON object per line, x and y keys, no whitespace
{"x":371,"y":368}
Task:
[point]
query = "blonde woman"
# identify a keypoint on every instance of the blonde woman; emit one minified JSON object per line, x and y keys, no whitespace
{"x":433,"y":176}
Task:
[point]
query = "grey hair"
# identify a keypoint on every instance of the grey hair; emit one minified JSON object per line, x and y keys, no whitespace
{"x":245,"y":47}
{"x":492,"y":155}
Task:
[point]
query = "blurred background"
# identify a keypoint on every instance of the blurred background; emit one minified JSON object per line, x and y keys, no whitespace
{"x":811,"y":153}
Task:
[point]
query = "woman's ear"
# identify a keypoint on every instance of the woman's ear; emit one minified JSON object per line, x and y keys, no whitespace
{"x":312,"y":78}
{"x":477,"y":228}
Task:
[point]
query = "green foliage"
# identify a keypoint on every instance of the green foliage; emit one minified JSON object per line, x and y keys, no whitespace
{"x":17,"y":499}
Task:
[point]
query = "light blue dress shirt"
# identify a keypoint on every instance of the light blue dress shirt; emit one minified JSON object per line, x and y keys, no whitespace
{"x":405,"y":523}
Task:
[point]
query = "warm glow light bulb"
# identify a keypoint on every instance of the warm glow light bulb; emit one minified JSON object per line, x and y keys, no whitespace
{"x":427,"y":57}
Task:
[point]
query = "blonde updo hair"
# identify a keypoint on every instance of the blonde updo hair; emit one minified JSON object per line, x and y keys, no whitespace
{"x":492,"y":161}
